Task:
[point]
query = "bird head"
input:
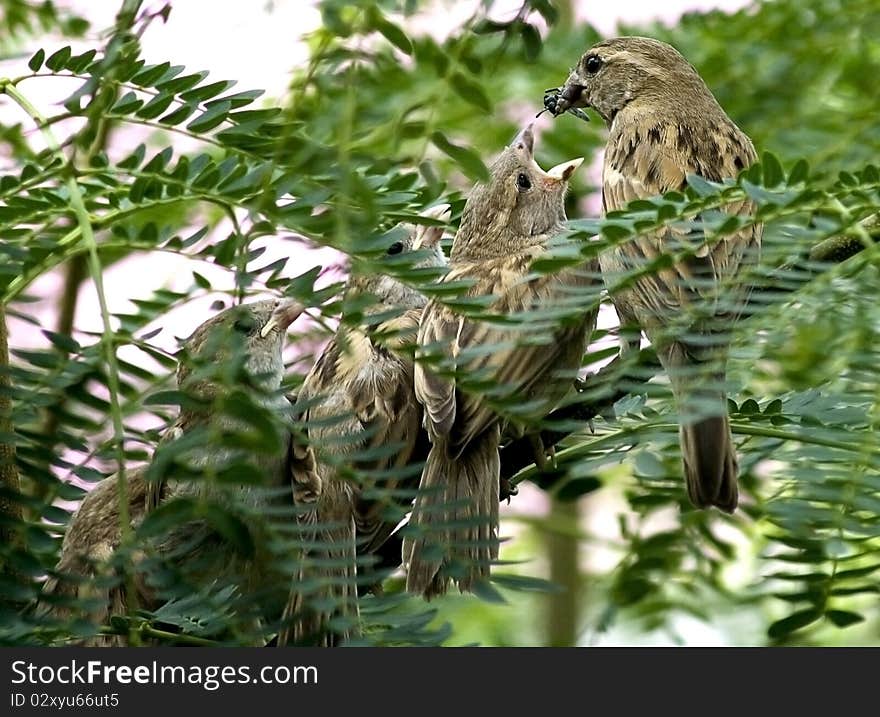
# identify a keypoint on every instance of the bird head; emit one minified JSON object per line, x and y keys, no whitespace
{"x":519,"y":205}
{"x":614,"y":73}
{"x":252,"y":333}
{"x":411,"y":246}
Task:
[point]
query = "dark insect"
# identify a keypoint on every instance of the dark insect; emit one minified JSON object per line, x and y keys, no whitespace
{"x":551,"y":105}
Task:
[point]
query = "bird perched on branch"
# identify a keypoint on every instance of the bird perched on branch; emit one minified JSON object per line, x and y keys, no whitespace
{"x":236,"y":353}
{"x":364,"y":429}
{"x":483,"y":376}
{"x":665,"y":124}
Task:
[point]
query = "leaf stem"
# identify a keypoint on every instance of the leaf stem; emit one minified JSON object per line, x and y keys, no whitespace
{"x":94,"y":262}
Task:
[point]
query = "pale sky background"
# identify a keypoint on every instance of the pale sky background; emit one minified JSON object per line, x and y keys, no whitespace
{"x":267,"y":41}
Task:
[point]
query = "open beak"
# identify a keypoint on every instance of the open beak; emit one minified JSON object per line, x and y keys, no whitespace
{"x":563,"y":171}
{"x":568,"y":98}
{"x":572,"y":94}
{"x":286,"y":312}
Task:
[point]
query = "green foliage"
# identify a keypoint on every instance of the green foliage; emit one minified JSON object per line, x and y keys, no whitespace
{"x":379,"y":124}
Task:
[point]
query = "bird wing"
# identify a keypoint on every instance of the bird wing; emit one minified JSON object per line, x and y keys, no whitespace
{"x":155,"y":487}
{"x":496,"y":360}
{"x":645,"y":159}
{"x":359,"y":399}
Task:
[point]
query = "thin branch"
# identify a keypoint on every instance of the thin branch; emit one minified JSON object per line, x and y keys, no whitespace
{"x":10,"y":488}
{"x":96,"y":271}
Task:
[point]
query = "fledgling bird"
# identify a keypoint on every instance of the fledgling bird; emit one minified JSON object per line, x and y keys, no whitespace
{"x":94,"y":533}
{"x":358,"y":401}
{"x":664,"y":124}
{"x":469,"y":366}
{"x":229,"y":449}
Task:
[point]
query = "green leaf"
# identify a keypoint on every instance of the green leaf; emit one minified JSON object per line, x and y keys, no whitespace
{"x":209,"y":119}
{"x":230,"y":527}
{"x":155,"y":107}
{"x":470,"y":91}
{"x":128,"y":103}
{"x":484,"y":590}
{"x":775,"y":406}
{"x":182,"y":83}
{"x":63,"y":341}
{"x":179,"y":115}
{"x":525,"y":583}
{"x":547,"y":10}
{"x":81,"y":62}
{"x":532,"y":43}
{"x":36,"y":62}
{"x":206,"y":92}
{"x":701,"y":186}
{"x":391,"y":32}
{"x":239,"y":99}
{"x":773,"y":172}
{"x":842,"y":618}
{"x":201,"y":281}
{"x":134,"y":159}
{"x":799,"y":172}
{"x":784,"y":627}
{"x":749,"y":407}
{"x":150,"y":74}
{"x":58,"y":60}
{"x":615,"y":232}
{"x":159,"y":161}
{"x":466,"y":158}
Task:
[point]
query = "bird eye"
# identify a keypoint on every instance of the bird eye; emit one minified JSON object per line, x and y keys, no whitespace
{"x":522,"y":181}
{"x":592,"y":64}
{"x":395,"y":248}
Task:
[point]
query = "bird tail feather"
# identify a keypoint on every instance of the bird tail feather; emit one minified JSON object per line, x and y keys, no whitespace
{"x":710,"y":464}
{"x":322,"y":610}
{"x":453,"y":530}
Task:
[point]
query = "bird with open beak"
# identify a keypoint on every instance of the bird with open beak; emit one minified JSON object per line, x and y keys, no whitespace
{"x":484,"y":379}
{"x":665,"y":124}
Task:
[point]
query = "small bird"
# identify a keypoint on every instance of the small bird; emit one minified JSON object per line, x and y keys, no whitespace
{"x":245,"y":341}
{"x":228,"y":450}
{"x":473,"y":373}
{"x":665,"y":124}
{"x":358,"y":400}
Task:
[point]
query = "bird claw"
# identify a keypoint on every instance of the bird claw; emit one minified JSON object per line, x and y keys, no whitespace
{"x":507,"y":490}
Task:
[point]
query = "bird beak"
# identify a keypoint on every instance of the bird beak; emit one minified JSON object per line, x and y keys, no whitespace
{"x":567,"y":98}
{"x":573,"y":94}
{"x":563,"y":171}
{"x":525,"y":139}
{"x":283,"y":316}
{"x":429,"y":236}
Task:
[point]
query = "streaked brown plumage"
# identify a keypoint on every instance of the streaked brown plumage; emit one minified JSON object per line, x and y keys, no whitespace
{"x":358,"y":398}
{"x":85,"y":570}
{"x":665,"y":124}
{"x":507,"y":224}
{"x":94,"y":533}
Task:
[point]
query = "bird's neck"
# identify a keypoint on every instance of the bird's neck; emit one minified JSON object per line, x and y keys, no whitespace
{"x":503,"y":244}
